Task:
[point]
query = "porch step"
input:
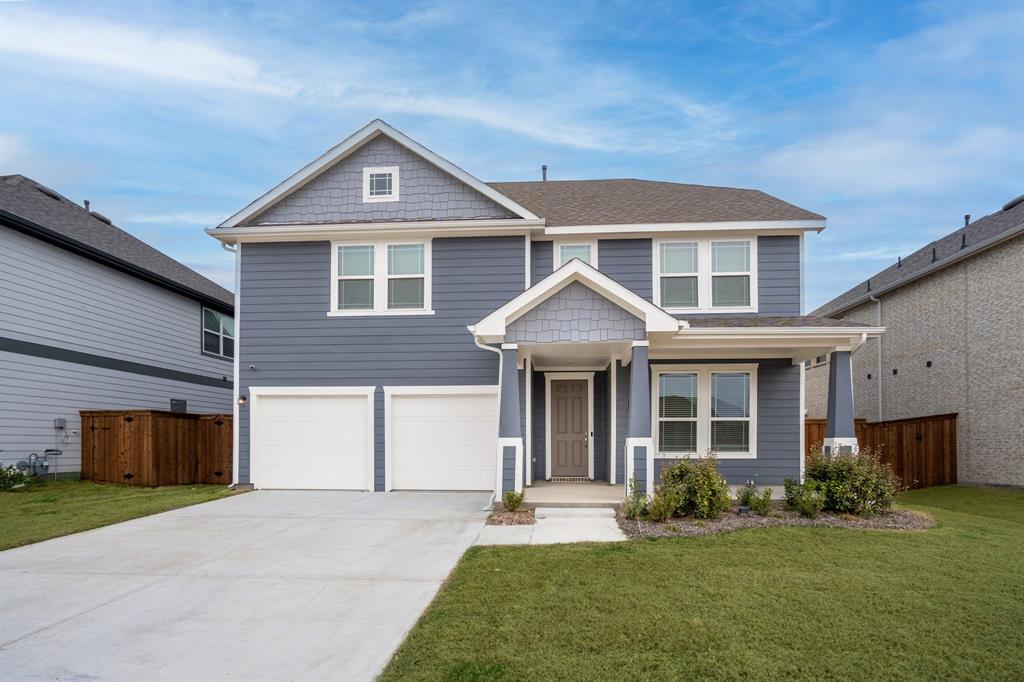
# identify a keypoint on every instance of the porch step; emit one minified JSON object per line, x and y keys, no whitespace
{"x":571,"y":505}
{"x":575,"y":512}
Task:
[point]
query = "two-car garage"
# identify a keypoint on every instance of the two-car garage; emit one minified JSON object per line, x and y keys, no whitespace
{"x":435,"y":438}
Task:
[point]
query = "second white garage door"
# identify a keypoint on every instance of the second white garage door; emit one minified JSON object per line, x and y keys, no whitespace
{"x":442,"y":441}
{"x":309,"y":438}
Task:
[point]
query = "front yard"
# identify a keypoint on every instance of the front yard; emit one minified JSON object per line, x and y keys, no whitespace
{"x":53,"y":508}
{"x":825,"y":603}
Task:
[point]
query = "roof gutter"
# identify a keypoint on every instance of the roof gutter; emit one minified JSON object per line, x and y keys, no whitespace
{"x":924,"y":272}
{"x":45,"y":234}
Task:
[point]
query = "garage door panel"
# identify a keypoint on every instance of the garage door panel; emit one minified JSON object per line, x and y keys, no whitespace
{"x":315,"y":442}
{"x":443,"y":442}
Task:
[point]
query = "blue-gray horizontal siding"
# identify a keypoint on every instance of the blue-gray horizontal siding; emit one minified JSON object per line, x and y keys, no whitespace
{"x":621,"y":418}
{"x":600,"y":425}
{"x":540,"y":426}
{"x":778,"y":275}
{"x":778,"y":426}
{"x":628,"y":262}
{"x":508,"y":469}
{"x":286,"y":334}
{"x":541,"y":263}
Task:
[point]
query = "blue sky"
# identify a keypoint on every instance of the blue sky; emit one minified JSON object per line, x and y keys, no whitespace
{"x":892,"y":119}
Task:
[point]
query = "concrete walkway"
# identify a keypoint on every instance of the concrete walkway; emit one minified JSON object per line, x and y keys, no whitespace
{"x":556,"y":526}
{"x":270,"y":585}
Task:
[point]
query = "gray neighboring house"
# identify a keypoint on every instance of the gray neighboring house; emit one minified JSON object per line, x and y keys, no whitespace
{"x":93,"y":318}
{"x":954,"y":311}
{"x":404,"y":326}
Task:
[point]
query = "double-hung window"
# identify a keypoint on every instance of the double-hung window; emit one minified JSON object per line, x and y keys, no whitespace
{"x":701,"y":408}
{"x":379,"y":278}
{"x":218,"y":334}
{"x":705,"y":275}
{"x":566,"y":251}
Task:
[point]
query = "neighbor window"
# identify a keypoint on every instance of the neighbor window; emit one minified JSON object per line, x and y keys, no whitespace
{"x":730,"y":274}
{"x":704,"y":275}
{"x":381,"y":277}
{"x":380,"y":184}
{"x":586,"y":252}
{"x":702,"y":408}
{"x":218,"y":334}
{"x":678,"y":275}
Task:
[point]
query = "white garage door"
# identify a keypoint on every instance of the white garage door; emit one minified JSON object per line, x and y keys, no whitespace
{"x":312,"y":441}
{"x":443,"y":442}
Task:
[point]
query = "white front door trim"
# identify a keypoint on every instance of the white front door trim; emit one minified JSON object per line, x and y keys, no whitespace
{"x":555,"y":376}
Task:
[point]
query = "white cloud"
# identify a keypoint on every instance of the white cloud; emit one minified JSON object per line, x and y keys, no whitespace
{"x":178,"y":218}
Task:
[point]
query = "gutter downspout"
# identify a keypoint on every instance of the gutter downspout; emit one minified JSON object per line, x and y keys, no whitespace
{"x":497,"y":351}
{"x":878,"y":321}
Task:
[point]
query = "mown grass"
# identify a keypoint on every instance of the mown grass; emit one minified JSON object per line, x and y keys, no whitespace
{"x":809,"y":603}
{"x":53,"y":508}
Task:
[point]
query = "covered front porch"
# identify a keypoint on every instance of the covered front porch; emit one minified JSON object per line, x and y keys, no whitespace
{"x":600,"y":389}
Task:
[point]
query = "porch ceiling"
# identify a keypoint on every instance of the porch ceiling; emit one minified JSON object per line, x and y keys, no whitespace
{"x":573,"y":356}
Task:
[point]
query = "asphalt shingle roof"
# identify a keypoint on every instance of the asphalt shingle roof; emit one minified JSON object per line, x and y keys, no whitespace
{"x":22,"y":197}
{"x":979,"y":231}
{"x":797,"y":321}
{"x":625,"y":202}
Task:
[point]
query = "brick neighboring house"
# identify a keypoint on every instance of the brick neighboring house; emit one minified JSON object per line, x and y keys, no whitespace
{"x":954,"y":315}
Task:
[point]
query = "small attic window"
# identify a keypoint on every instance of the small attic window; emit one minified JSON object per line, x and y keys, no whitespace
{"x":380,"y":184}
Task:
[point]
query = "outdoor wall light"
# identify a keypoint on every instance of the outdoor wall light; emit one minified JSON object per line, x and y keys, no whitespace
{"x":242,"y":400}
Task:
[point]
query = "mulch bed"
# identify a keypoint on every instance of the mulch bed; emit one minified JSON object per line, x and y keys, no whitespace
{"x":897,"y":519}
{"x":520,"y":517}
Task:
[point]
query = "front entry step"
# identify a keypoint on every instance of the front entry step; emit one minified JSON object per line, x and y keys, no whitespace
{"x":574,"y":513}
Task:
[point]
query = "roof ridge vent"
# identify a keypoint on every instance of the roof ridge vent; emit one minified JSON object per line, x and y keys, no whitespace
{"x":48,"y":192}
{"x":99,"y":216}
{"x":1013,"y":202}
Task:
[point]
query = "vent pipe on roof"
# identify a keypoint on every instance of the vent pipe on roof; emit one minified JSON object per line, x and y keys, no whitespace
{"x":963,"y":241}
{"x":869,"y":285}
{"x":544,"y":172}
{"x":86,"y":202}
{"x":934,"y":256}
{"x":967,"y":220}
{"x":899,"y":261}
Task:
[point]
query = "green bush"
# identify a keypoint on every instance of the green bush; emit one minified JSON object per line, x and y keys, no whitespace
{"x":663,"y":506}
{"x":635,"y":504}
{"x":514,"y":500}
{"x":807,"y":499}
{"x":700,"y":490}
{"x":761,"y":504}
{"x":10,"y":477}
{"x":745,"y":494}
{"x":854,"y":483}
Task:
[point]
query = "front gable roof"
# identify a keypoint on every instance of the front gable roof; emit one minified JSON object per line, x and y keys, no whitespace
{"x":349,"y":145}
{"x":493,"y":327}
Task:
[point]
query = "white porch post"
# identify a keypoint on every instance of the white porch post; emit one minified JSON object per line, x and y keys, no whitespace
{"x":510,"y":431}
{"x":840,"y":433}
{"x":639,"y":444}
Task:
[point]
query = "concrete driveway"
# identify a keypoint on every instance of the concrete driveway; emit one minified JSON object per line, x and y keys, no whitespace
{"x":269,"y":585}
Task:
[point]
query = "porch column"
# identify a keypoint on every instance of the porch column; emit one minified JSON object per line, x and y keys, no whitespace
{"x":510,"y":431}
{"x":840,"y":436}
{"x":639,"y":445}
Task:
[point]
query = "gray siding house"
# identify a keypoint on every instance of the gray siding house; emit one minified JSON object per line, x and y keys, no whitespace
{"x":93,"y":318}
{"x":402,"y":325}
{"x":955,"y":314}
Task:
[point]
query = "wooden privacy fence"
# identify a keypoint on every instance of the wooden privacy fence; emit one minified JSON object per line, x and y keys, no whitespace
{"x":153,"y":447}
{"x":921,"y":451}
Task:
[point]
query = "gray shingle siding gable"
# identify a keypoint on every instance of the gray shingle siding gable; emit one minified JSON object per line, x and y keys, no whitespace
{"x":286,"y":333}
{"x":425,"y":192}
{"x":575,"y":314}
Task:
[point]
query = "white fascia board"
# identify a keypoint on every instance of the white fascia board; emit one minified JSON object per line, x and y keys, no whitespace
{"x":350,"y":144}
{"x":778,"y":332}
{"x":744,"y":225}
{"x":420,"y":228}
{"x":656,"y":319}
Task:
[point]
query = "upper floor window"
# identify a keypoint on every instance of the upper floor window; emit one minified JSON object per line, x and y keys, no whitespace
{"x":705,"y":275}
{"x":218,"y":334}
{"x":377,"y":278}
{"x":380,"y":183}
{"x":566,"y":251}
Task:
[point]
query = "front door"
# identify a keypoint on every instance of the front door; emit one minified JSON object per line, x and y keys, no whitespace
{"x":570,"y":430}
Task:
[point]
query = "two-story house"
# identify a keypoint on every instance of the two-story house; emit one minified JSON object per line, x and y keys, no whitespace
{"x":92,"y":318}
{"x":404,"y":326}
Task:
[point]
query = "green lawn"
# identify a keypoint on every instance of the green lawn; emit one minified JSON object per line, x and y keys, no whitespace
{"x":53,"y":508}
{"x":818,"y":603}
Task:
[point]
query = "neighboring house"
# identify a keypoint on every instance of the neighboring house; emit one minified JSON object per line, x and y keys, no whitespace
{"x":954,"y":311}
{"x":403,"y":325}
{"x":93,"y":318}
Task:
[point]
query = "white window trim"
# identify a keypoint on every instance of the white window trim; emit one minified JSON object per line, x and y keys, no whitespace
{"x":381,"y":277}
{"x":555,"y":376}
{"x":704,"y":274}
{"x":557,"y":245}
{"x":704,"y":373}
{"x":370,"y":170}
{"x":220,"y":334}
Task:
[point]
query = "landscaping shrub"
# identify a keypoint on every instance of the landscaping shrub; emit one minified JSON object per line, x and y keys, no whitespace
{"x":745,"y":494}
{"x":806,"y":499}
{"x":514,"y":500}
{"x":635,"y":504}
{"x":663,"y":506}
{"x":761,"y":504}
{"x":10,"y":477}
{"x":701,"y":491}
{"x":854,"y":483}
